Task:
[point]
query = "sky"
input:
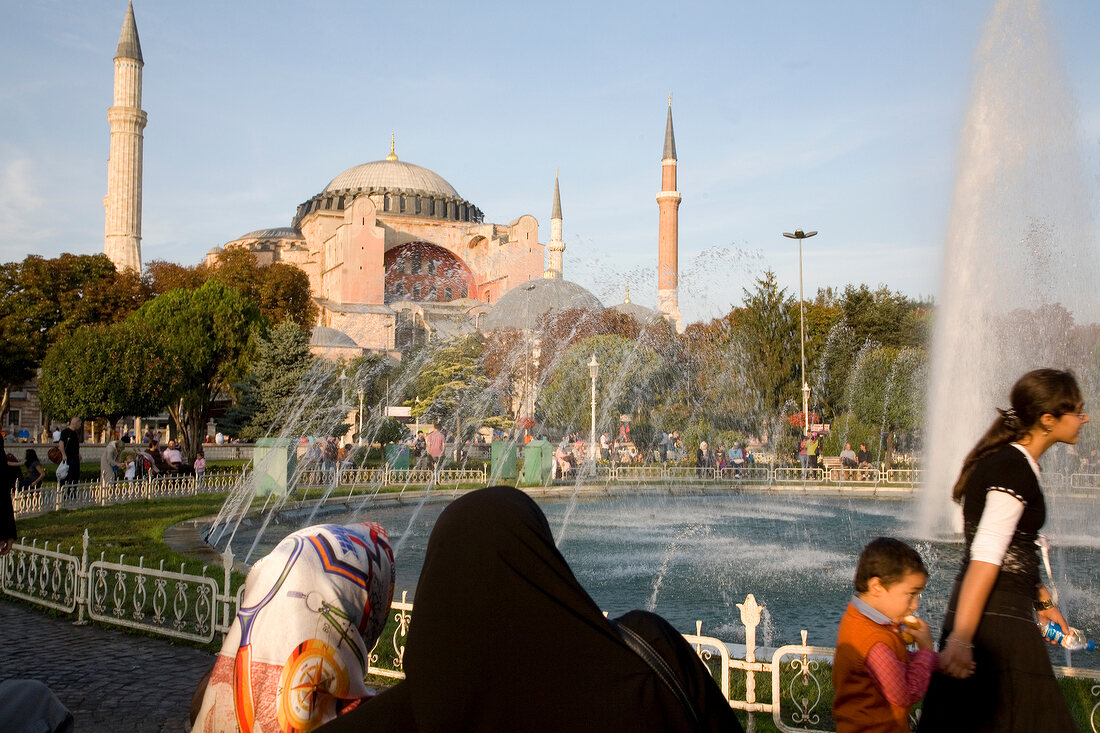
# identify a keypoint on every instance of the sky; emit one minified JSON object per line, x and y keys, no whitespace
{"x":839,"y":117}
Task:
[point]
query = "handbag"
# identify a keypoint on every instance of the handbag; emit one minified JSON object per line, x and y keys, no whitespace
{"x":55,"y":455}
{"x":663,"y":671}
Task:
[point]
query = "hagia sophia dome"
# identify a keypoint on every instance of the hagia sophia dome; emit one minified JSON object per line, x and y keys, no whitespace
{"x":391,"y":174}
{"x":398,"y":187}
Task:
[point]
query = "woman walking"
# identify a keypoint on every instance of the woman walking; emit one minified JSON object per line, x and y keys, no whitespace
{"x":995,"y":672}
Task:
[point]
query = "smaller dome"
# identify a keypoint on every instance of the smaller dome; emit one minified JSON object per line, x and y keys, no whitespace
{"x":639,"y":313}
{"x":274,"y":233}
{"x":521,"y":307}
{"x":326,"y":337}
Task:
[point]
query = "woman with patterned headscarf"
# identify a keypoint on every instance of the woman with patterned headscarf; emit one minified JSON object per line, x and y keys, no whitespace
{"x":296,"y":655}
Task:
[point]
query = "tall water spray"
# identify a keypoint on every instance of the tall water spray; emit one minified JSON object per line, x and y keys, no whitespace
{"x":1019,"y":265}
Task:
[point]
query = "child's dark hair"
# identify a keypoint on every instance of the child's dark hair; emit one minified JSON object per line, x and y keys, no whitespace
{"x":888,"y":560}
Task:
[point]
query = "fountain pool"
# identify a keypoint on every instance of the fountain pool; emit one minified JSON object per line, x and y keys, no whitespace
{"x":694,"y":557}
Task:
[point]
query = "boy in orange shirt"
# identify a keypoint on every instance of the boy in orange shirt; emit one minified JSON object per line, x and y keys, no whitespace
{"x":875,"y":680}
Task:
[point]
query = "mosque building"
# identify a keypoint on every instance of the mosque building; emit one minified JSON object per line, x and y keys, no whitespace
{"x":394,"y":254}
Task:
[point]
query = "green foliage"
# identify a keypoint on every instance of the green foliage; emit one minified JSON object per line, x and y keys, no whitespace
{"x":888,"y":388}
{"x":108,"y":372}
{"x":391,"y":431}
{"x":211,"y":333}
{"x":625,"y":386}
{"x":281,"y":291}
{"x":289,"y":391}
{"x":645,"y":436}
{"x":450,"y":382}
{"x":41,"y":300}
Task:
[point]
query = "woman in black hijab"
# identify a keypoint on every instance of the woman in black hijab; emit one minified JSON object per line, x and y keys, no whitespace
{"x":504,"y":638}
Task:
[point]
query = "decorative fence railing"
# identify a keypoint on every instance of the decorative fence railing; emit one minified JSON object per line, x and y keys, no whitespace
{"x":201,"y":608}
{"x":51,"y":497}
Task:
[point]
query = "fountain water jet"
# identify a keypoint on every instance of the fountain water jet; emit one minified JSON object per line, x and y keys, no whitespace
{"x":1019,"y":257}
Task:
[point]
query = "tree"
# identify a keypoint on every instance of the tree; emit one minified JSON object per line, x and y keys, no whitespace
{"x":211,"y":334}
{"x":449,"y":383}
{"x":627,"y":374}
{"x":162,"y":277}
{"x":289,"y":391}
{"x":280,"y":290}
{"x":109,"y":372}
{"x":41,"y":300}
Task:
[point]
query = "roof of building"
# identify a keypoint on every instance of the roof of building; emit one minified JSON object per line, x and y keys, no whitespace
{"x":522,"y":306}
{"x":639,"y":313}
{"x":331,"y":337}
{"x":273,"y":233}
{"x":129,"y":47}
{"x":392,"y":174}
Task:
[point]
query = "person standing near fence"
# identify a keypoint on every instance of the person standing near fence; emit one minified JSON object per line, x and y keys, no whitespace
{"x":434,"y":445}
{"x":69,"y":443}
{"x":7,"y":511}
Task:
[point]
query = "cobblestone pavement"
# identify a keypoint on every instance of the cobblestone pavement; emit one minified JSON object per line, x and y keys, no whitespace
{"x":110,"y":680}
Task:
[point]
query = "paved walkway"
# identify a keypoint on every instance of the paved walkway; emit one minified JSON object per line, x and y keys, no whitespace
{"x":109,"y":679}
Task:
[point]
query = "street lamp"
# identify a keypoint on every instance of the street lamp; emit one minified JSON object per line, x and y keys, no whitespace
{"x":800,"y":235}
{"x":593,"y":371}
{"x":360,"y":431}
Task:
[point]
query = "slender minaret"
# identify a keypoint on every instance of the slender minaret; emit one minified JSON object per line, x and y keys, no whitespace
{"x":556,"y":246}
{"x":668,"y":201}
{"x":122,"y":226}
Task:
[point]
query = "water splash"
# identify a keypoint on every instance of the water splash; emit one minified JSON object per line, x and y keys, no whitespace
{"x":1020,"y":253}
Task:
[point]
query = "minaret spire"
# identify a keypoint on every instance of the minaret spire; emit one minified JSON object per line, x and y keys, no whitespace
{"x":556,"y":246}
{"x":392,"y":155}
{"x":668,"y":201}
{"x":122,"y":204}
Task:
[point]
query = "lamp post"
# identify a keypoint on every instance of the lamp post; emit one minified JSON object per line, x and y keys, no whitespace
{"x":800,"y":235}
{"x":360,"y":430}
{"x":593,"y":371}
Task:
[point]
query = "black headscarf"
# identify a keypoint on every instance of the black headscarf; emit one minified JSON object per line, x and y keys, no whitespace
{"x":504,"y":638}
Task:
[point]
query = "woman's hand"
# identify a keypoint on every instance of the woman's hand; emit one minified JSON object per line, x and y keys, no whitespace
{"x":957,"y":657}
{"x":1053,"y":614}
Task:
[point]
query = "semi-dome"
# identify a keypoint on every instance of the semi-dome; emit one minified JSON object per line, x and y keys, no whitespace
{"x":325,"y":337}
{"x":521,"y":307}
{"x":392,"y":175}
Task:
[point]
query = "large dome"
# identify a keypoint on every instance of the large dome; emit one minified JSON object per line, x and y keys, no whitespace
{"x":521,"y":307}
{"x":383,"y":175}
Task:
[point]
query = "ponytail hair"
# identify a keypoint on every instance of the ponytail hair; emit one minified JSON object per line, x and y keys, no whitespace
{"x":1037,"y":393}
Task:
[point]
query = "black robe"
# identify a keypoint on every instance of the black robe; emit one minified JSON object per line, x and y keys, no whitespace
{"x":504,"y":638}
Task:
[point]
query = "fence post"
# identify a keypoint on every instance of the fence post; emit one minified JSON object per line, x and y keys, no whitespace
{"x":227,"y":596}
{"x":750,"y":617}
{"x":82,"y":583}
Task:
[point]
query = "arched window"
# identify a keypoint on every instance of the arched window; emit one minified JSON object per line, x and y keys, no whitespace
{"x":416,"y":263}
{"x":416,"y":291}
{"x":448,"y":294}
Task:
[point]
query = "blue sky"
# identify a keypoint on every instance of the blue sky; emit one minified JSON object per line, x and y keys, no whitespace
{"x":842,"y":117}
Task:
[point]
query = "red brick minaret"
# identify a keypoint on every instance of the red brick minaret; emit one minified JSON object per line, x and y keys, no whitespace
{"x":668,"y":201}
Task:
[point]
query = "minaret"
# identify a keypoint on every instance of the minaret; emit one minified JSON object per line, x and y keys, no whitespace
{"x":122,"y":226}
{"x":668,"y":201}
{"x":556,"y":246}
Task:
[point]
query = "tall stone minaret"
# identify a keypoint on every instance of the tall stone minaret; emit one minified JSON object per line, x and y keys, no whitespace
{"x":668,"y":201}
{"x":556,"y":246}
{"x":122,"y":226}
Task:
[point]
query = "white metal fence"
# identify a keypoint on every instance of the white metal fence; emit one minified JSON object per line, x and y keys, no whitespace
{"x":201,"y":608}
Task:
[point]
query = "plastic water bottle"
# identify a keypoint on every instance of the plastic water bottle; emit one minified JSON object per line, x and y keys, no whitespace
{"x":1074,"y":639}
